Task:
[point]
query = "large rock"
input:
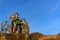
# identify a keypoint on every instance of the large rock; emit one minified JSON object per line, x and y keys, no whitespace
{"x":32,"y":36}
{"x":35,"y":36}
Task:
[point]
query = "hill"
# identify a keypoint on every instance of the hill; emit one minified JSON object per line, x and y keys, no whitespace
{"x":32,"y":36}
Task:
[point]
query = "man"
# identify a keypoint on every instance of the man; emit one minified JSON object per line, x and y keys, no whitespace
{"x":17,"y":19}
{"x":18,"y":22}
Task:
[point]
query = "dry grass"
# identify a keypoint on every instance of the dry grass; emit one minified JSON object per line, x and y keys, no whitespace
{"x":32,"y":36}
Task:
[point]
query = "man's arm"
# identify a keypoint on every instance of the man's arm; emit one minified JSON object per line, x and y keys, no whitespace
{"x":11,"y":19}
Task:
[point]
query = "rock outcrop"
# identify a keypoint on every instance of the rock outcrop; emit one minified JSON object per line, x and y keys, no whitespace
{"x":32,"y":36}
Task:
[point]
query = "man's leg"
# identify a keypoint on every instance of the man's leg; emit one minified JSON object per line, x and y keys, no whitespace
{"x":14,"y":27}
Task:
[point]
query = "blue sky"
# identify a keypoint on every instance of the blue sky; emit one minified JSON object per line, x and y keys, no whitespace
{"x":42,"y":15}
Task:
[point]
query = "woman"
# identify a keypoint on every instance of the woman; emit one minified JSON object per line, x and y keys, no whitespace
{"x":12,"y":18}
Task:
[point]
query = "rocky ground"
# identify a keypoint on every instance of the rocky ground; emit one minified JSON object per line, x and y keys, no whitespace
{"x":32,"y":36}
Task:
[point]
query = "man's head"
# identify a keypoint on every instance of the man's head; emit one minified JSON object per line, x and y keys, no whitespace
{"x":16,"y":14}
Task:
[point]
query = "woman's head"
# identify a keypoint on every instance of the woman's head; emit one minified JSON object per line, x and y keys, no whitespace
{"x":13,"y":16}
